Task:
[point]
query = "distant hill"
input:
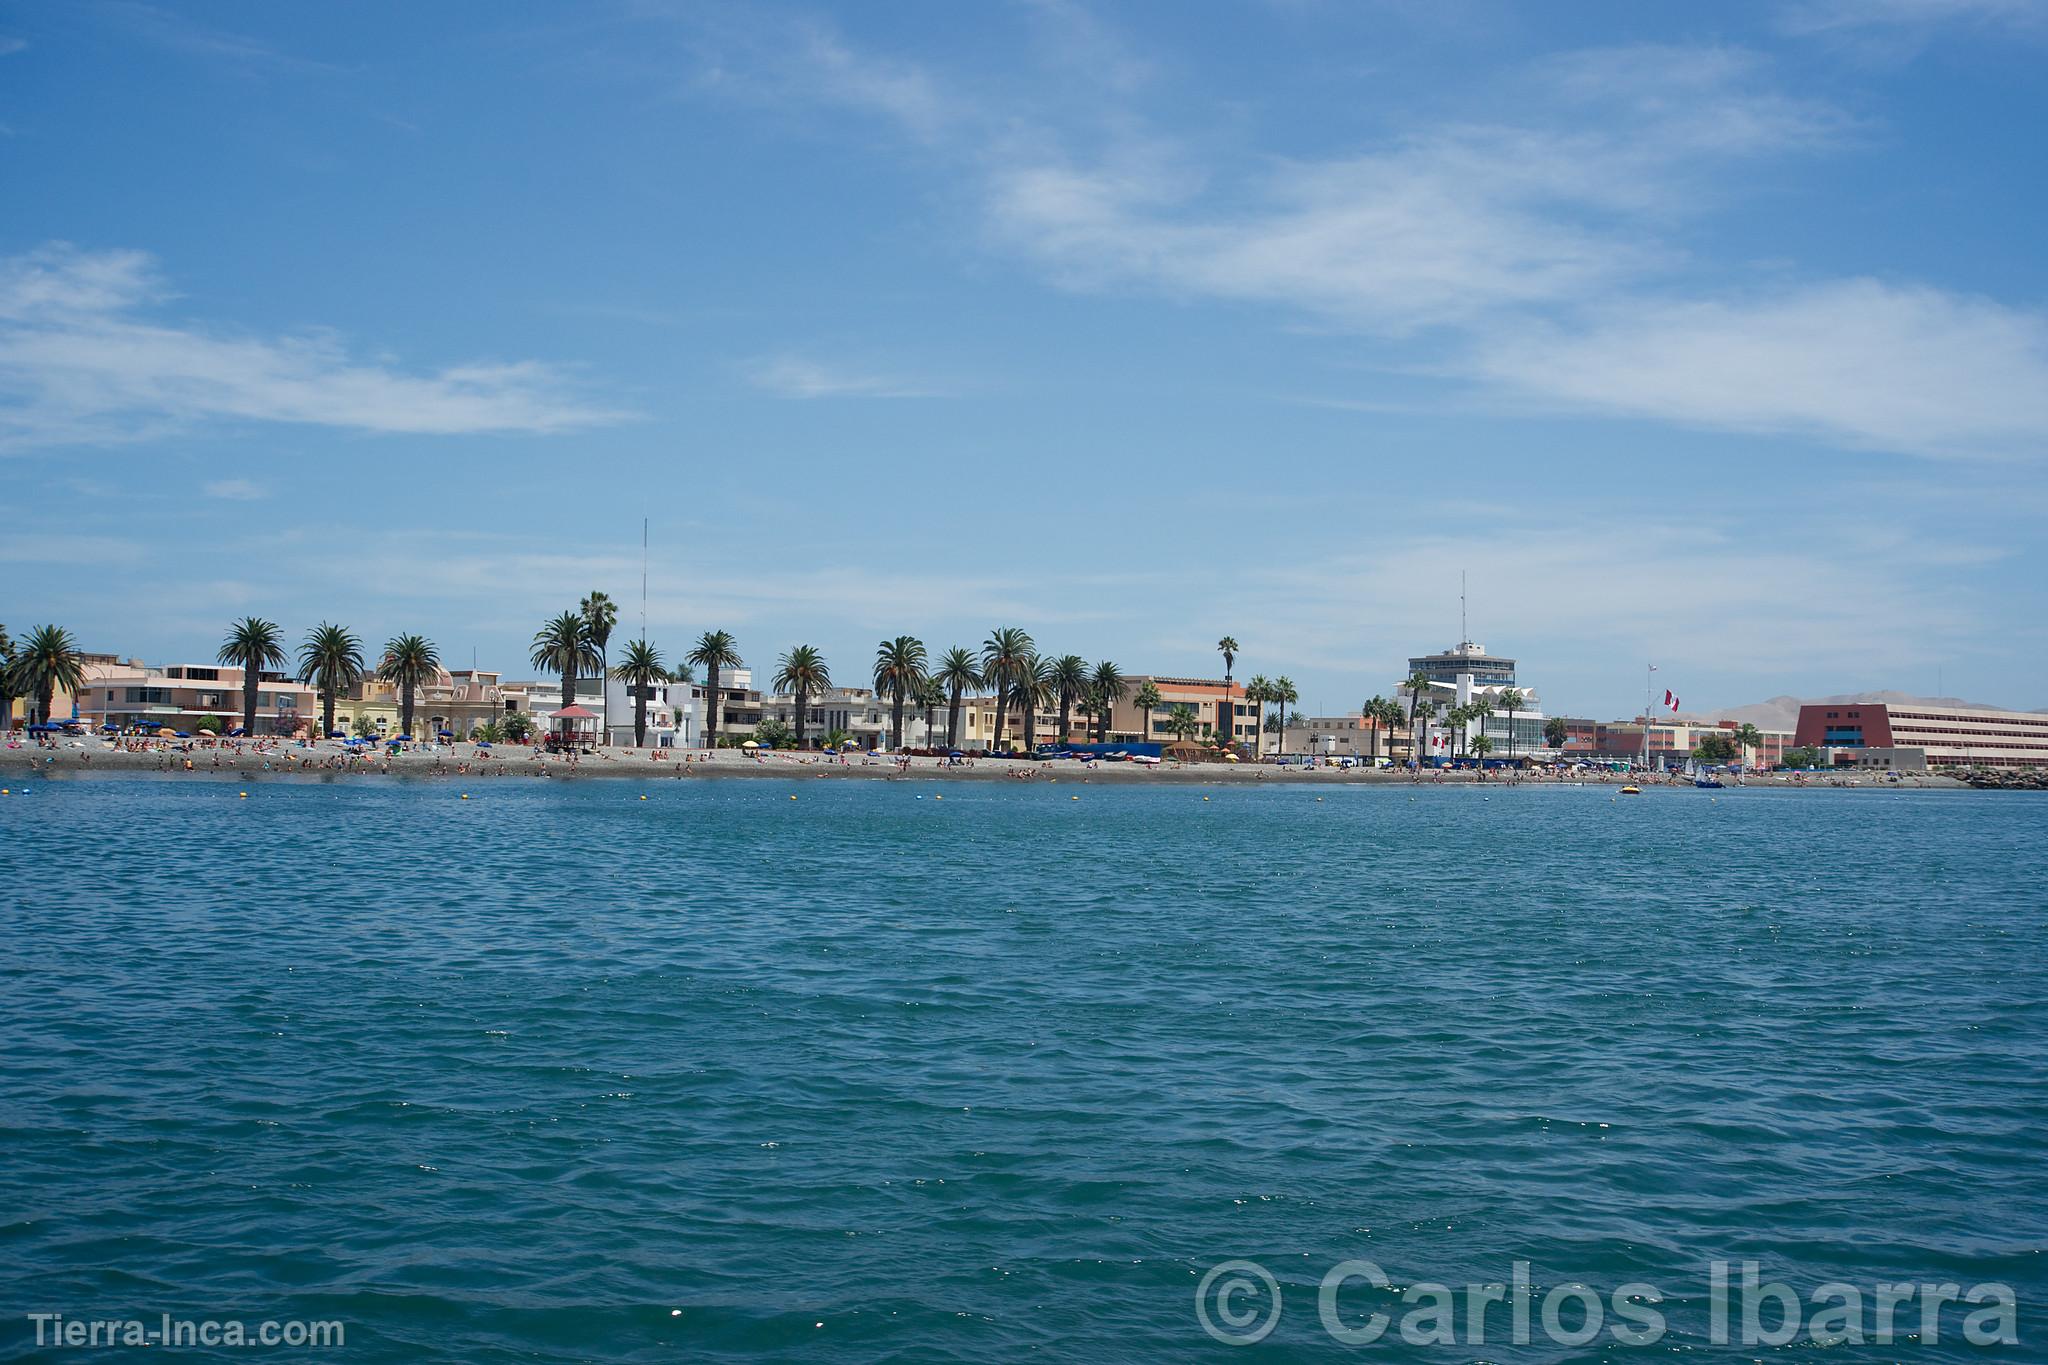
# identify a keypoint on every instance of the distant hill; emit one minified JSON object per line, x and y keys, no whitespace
{"x":1782,"y":713}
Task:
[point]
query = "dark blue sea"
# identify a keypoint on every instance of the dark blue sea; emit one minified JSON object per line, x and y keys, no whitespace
{"x":556,"y":1073}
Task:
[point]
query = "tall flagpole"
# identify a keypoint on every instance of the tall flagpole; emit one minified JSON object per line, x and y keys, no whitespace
{"x":1648,"y":688}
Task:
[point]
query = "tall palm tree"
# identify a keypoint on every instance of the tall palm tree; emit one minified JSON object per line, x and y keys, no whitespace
{"x":7,"y":688}
{"x":714,"y":651}
{"x":1511,"y":701}
{"x":564,"y":646}
{"x":1181,"y":721}
{"x":1226,"y":709}
{"x":640,"y":668}
{"x":1069,"y":682}
{"x":957,"y":672}
{"x":1005,"y":657}
{"x":46,"y":661}
{"x":1369,"y":714}
{"x":899,"y":668}
{"x":1035,"y":692}
{"x":1417,"y":686}
{"x":930,"y":696}
{"x":1749,"y":737}
{"x":600,"y":614}
{"x":1106,"y":687}
{"x":331,"y":660}
{"x":1256,"y":694}
{"x":1147,"y":701}
{"x":410,"y":662}
{"x":802,"y":671}
{"x":253,"y":644}
{"x":1283,"y":691}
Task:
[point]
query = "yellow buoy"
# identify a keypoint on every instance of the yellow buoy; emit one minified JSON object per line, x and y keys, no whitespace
{"x":792,"y":796}
{"x":1073,"y":798}
{"x":643,"y":798}
{"x":245,"y":796}
{"x":465,"y":796}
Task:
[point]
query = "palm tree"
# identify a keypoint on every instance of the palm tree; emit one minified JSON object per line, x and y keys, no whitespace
{"x":410,"y":662}
{"x":957,"y":672}
{"x":641,"y":669}
{"x":1369,"y":714}
{"x":1035,"y":691}
{"x":1417,"y":687}
{"x":1069,"y":681}
{"x":1282,"y":690}
{"x":1225,"y":709}
{"x":1511,"y":701}
{"x":563,"y":646}
{"x":715,"y":650}
{"x":253,"y":644}
{"x":930,"y":696}
{"x":490,"y":732}
{"x":1005,"y":656}
{"x":899,"y":668}
{"x":1746,"y":735}
{"x":1255,"y":699}
{"x":47,"y":660}
{"x":836,"y":738}
{"x":1181,"y":721}
{"x":802,"y":671}
{"x":331,"y":659}
{"x":1147,"y":701}
{"x":600,"y":614}
{"x":1481,"y":747}
{"x":7,"y":692}
{"x":1106,"y":687}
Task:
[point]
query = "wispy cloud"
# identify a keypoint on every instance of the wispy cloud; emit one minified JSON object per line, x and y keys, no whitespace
{"x":236,"y":490}
{"x":180,"y":33}
{"x":790,"y":376}
{"x":1836,"y":16}
{"x":81,"y":360}
{"x":1539,"y":259}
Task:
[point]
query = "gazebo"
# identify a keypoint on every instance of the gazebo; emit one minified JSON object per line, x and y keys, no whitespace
{"x":572,"y":727}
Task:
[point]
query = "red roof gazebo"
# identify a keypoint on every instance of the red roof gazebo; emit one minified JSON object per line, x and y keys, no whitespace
{"x":573,"y":725}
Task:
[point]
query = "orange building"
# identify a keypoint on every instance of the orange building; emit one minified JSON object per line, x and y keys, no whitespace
{"x":1128,"y":723}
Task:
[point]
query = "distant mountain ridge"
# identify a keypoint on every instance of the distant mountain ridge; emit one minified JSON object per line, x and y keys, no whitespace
{"x":1782,"y":713}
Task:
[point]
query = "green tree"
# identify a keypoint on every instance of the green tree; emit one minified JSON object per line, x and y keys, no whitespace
{"x":1417,"y":687}
{"x":1255,"y":699}
{"x":1805,"y":756}
{"x":1226,"y":722}
{"x":1148,"y":702}
{"x":899,"y":669}
{"x":929,"y":697}
{"x":1070,"y":684}
{"x":1005,"y":658}
{"x":410,"y":662}
{"x":957,"y":672}
{"x":600,"y":615}
{"x":489,"y":732}
{"x":364,"y":726}
{"x":1181,"y":722}
{"x":836,"y":738}
{"x":253,"y":644}
{"x":564,"y":646}
{"x":1555,"y":733}
{"x":1283,"y":693}
{"x":44,"y":662}
{"x":1370,"y":713}
{"x":774,"y":733}
{"x":641,"y":669}
{"x":1715,"y":748}
{"x":714,"y":652}
{"x":1481,"y":747}
{"x":1511,"y":701}
{"x":331,"y":660}
{"x":1034,"y":692}
{"x":518,"y":726}
{"x":207,"y":725}
{"x":7,"y":688}
{"x":1752,"y":739}
{"x":802,"y":672}
{"x":1105,"y":690}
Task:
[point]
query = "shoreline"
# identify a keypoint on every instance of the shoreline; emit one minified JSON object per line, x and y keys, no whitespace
{"x":460,"y":761}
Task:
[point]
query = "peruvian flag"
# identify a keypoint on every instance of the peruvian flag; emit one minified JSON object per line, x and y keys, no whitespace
{"x":1671,"y":700}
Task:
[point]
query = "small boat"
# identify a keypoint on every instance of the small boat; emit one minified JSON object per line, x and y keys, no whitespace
{"x":1709,"y":783}
{"x":1631,"y":790}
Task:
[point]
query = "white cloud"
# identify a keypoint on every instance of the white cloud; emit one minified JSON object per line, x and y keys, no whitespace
{"x":1833,"y":16}
{"x":81,"y":361}
{"x":790,"y":376}
{"x":1859,"y":362}
{"x":236,"y":490}
{"x":9,"y":46}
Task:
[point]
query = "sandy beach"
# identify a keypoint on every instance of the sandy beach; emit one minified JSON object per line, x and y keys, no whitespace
{"x":76,"y":756}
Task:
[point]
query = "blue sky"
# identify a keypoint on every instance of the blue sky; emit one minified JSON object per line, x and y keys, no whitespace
{"x":1714,"y":335}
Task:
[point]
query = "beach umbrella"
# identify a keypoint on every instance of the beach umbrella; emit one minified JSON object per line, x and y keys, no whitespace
{"x":955,"y":753}
{"x":403,"y":739}
{"x":337,"y":734}
{"x":182,"y":735}
{"x":110,"y":726}
{"x":483,"y":744}
{"x":749,"y":744}
{"x":167,"y":733}
{"x":446,"y":734}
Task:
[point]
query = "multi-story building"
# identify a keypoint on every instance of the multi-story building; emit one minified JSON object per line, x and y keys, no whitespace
{"x":131,"y":694}
{"x":455,"y":703}
{"x":1130,"y":723}
{"x":1340,"y":737}
{"x":1671,"y":741}
{"x":739,"y":705}
{"x":1460,"y":676}
{"x":1948,"y":736}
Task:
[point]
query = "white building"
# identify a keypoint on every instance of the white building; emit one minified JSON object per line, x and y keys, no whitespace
{"x":1458,"y":677}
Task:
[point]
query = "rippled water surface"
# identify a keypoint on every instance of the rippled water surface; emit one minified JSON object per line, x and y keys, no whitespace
{"x":560,"y":1073}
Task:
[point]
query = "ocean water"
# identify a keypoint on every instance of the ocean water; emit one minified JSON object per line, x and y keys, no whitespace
{"x":557,"y":1073}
